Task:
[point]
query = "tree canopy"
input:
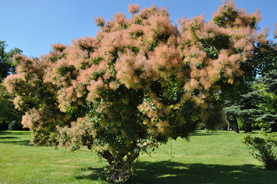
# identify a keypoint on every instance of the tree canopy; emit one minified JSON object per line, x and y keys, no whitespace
{"x":266,"y":88}
{"x":6,"y":65}
{"x":249,"y":100}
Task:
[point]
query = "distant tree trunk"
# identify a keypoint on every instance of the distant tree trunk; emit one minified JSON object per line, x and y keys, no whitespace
{"x":233,"y":121}
{"x":248,"y":127}
{"x":5,"y":125}
{"x":236,"y":126}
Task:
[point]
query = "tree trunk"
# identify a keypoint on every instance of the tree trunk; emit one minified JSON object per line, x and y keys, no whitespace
{"x":248,"y":127}
{"x":119,"y":172}
{"x":119,"y":169}
{"x":5,"y":125}
{"x":234,"y":122}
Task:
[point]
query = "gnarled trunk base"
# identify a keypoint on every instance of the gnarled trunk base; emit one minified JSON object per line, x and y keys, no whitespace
{"x":120,"y":166}
{"x":119,"y":172}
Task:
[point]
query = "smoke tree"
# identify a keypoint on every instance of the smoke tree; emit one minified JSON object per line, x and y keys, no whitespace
{"x":137,"y":83}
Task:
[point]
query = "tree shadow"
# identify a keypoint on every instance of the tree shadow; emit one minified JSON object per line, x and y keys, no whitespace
{"x":174,"y":172}
{"x":21,"y":143}
{"x":10,"y":137}
{"x":221,"y":132}
{"x":3,"y":133}
{"x":205,"y":134}
{"x":166,"y":172}
{"x":94,"y":174}
{"x":14,"y":133}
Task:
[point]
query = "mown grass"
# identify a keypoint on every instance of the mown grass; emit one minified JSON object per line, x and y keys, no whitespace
{"x":209,"y":157}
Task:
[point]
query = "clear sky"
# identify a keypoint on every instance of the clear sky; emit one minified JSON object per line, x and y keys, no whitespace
{"x":33,"y":25}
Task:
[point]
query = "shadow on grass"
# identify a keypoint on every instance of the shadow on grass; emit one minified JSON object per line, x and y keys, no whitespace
{"x":9,"y":137}
{"x":205,"y":134}
{"x":94,"y":174}
{"x":211,"y":133}
{"x":14,"y":133}
{"x":4,"y":133}
{"x":22,"y":142}
{"x":166,"y":172}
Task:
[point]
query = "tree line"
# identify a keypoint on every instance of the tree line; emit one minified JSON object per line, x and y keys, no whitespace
{"x":10,"y":118}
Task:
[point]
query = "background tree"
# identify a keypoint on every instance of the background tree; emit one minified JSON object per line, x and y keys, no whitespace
{"x":8,"y":113}
{"x":266,"y":86}
{"x":6,"y":66}
{"x":134,"y":85}
{"x":242,"y":100}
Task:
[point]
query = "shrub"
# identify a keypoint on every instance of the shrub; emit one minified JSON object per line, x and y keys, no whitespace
{"x":264,"y":149}
{"x":15,"y":125}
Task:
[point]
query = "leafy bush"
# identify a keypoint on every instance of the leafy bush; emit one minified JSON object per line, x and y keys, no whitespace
{"x":15,"y":125}
{"x":264,"y":149}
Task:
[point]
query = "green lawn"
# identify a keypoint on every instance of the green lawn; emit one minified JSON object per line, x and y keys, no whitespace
{"x":215,"y":157}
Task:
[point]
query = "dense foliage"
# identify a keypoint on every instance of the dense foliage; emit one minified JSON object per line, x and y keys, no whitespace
{"x":6,"y":66}
{"x":8,"y":113}
{"x":266,"y":88}
{"x":259,"y":103}
{"x":137,"y":83}
{"x":264,"y":149}
{"x":253,"y":102}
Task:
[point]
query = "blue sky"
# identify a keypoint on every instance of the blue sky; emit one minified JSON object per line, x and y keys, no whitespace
{"x":33,"y":25}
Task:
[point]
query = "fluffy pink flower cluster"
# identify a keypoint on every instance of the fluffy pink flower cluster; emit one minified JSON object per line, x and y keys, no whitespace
{"x":275,"y":30}
{"x":133,"y":8}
